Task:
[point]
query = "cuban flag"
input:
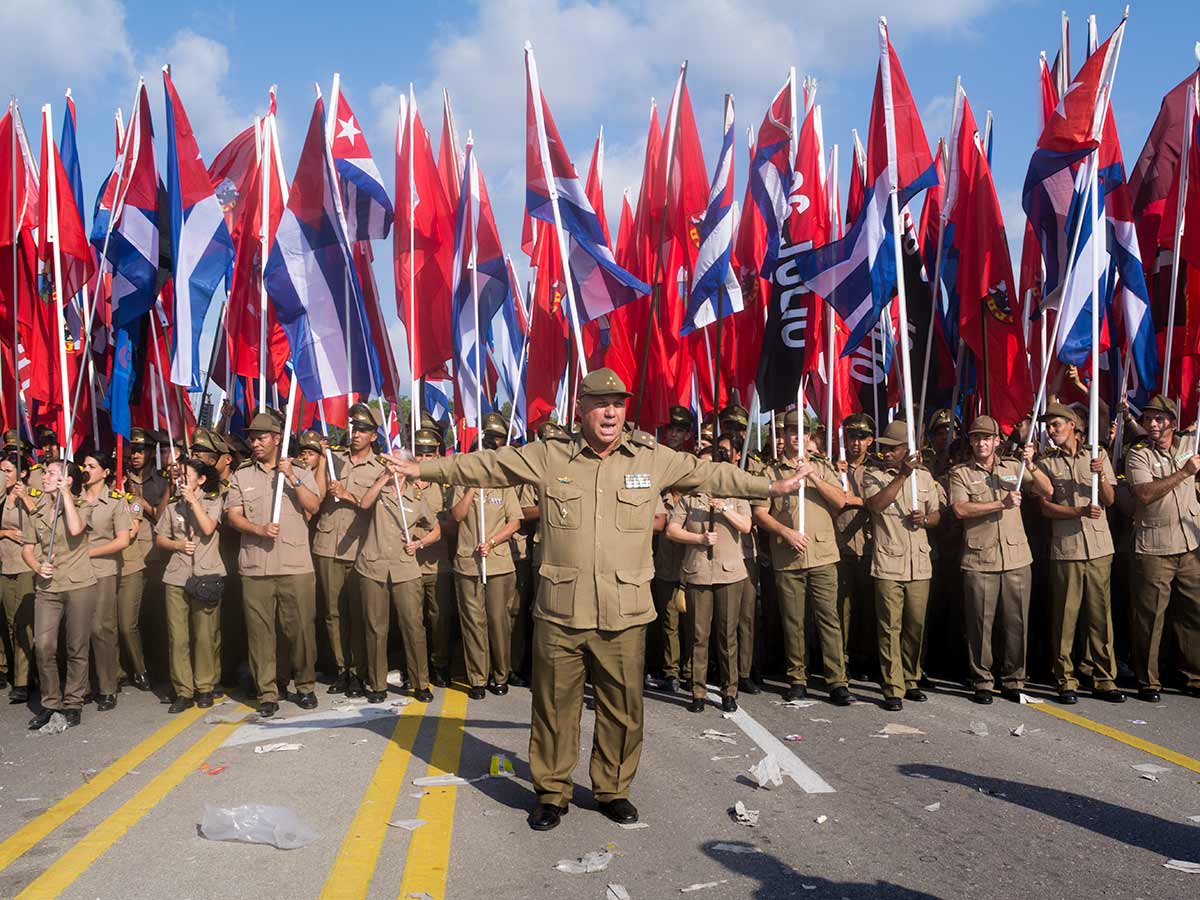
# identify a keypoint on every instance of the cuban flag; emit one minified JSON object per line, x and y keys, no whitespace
{"x":202,"y":250}
{"x":771,"y":169}
{"x":1089,"y":268}
{"x":481,"y":287}
{"x":509,"y":355}
{"x":368,"y":207}
{"x":312,"y":283}
{"x":437,"y":404}
{"x":551,"y":181}
{"x":715,"y":290}
{"x":857,"y":274}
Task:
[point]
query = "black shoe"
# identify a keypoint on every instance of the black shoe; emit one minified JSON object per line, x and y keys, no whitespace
{"x":73,"y":717}
{"x":518,"y":680}
{"x":546,"y":816}
{"x":697,"y":705}
{"x":476,"y":693}
{"x":141,"y":681}
{"x":307,"y":700}
{"x":3,"y":679}
{"x":926,"y":684}
{"x":1068,"y":698}
{"x":268,"y":708}
{"x":620,"y":811}
{"x":18,"y":695}
{"x":893,"y":704}
{"x":916,"y":695}
{"x":41,"y":718}
{"x":180,"y":704}
{"x":105,"y":702}
{"x":204,"y":699}
{"x":376,"y":696}
{"x":354,"y":687}
{"x":982,"y":697}
{"x":498,"y":689}
{"x":425,"y":695}
{"x":440,"y":679}
{"x":840,"y":696}
{"x":729,"y":704}
{"x":339,"y":684}
{"x":1012,"y":695}
{"x":671,"y":684}
{"x":1192,"y":690}
{"x":747,"y":686}
{"x":1149,"y":695}
{"x":796,"y":692}
{"x":1110,"y":696}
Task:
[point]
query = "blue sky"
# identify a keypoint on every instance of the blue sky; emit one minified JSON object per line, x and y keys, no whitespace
{"x":600,"y":63}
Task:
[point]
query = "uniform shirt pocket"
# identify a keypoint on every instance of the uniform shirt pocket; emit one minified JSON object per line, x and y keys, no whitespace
{"x":634,"y":509}
{"x":633,"y":590}
{"x":564,"y":506}
{"x":556,"y":591}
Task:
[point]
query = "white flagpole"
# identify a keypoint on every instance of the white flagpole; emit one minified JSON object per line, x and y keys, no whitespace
{"x":415,"y":398}
{"x":801,"y":453}
{"x":472,"y":186}
{"x":284,"y":446}
{"x":1098,"y":236}
{"x":16,"y":230}
{"x":330,"y":126}
{"x":266,"y":161}
{"x":157,"y":367}
{"x":1189,"y":109}
{"x":52,"y":227}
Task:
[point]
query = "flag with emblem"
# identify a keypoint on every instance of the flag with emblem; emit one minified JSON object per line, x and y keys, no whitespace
{"x":368,"y":208}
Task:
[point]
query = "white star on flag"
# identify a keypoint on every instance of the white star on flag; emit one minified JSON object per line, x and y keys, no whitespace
{"x":349,"y":130}
{"x":1061,"y":109}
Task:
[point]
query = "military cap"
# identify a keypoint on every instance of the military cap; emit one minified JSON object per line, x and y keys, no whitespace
{"x":140,"y":437}
{"x":984,"y":425}
{"x":202,"y":441}
{"x":1159,"y":403}
{"x":549,"y":430}
{"x":268,"y":421}
{"x":859,"y":424}
{"x":427,"y":439}
{"x":235,"y":443}
{"x":309,"y":440}
{"x":1059,"y":410}
{"x":429,"y":423}
{"x":681,"y":417}
{"x":791,"y":419}
{"x":45,"y":435}
{"x":735,"y":415}
{"x":14,"y":441}
{"x":895,"y":434}
{"x":362,"y":416}
{"x":942,"y":418}
{"x":601,"y":383}
{"x":707,"y":431}
{"x":812,"y":423}
{"x":494,"y":424}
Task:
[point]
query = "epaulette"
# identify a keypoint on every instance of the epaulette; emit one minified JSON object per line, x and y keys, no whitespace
{"x":115,"y":495}
{"x":34,"y":467}
{"x":556,"y":436}
{"x":212,"y":495}
{"x":1139,"y":444}
{"x":642,"y":438}
{"x":129,"y":496}
{"x":165,"y":473}
{"x":246,"y":464}
{"x":34,"y":492}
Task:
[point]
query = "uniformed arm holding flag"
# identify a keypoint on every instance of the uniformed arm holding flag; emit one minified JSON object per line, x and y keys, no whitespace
{"x":598,"y":498}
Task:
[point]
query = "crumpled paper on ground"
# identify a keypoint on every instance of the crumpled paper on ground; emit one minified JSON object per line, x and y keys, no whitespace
{"x":592,"y":861}
{"x":1182,"y":865}
{"x":744,"y":816}
{"x":407,"y":824}
{"x":704,"y":885}
{"x":895,"y":728}
{"x":724,"y":737}
{"x":767,"y":772}
{"x":56,"y":725}
{"x":979,"y":729}
{"x":617,"y":892}
{"x":276,"y":748}
{"x":441,"y":780}
{"x":794,"y":704}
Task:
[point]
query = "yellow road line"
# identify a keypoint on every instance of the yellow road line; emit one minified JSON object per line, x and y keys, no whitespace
{"x":68,"y":867}
{"x":1116,"y":734}
{"x":428,"y":860}
{"x":34,"y":831}
{"x":355,"y":863}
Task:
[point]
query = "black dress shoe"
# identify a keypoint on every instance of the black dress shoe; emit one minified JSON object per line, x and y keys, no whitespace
{"x":476,"y":693}
{"x":41,"y":718}
{"x":268,"y":708}
{"x":982,"y":697}
{"x":339,"y":684}
{"x":1068,"y":698}
{"x":498,"y":689}
{"x":670,"y":684}
{"x":204,"y":699}
{"x":180,"y":704}
{"x":729,"y":704}
{"x":307,"y":700}
{"x":354,"y":687}
{"x":73,"y":717}
{"x":18,"y":695}
{"x":926,"y":684}
{"x":620,"y":811}
{"x":1192,"y":690}
{"x":1012,"y":695}
{"x":518,"y":680}
{"x":376,"y":696}
{"x":425,"y":695}
{"x":1110,"y":696}
{"x":105,"y":702}
{"x":3,"y":679}
{"x":440,"y":679}
{"x":696,"y":706}
{"x":141,"y":681}
{"x":916,"y":695}
{"x":796,"y":692}
{"x":546,"y":816}
{"x":840,"y":696}
{"x":893,"y":704}
{"x":1149,"y":695}
{"x":747,"y":686}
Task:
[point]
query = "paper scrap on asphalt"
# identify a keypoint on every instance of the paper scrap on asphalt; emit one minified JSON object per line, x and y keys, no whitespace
{"x":724,"y":737}
{"x":592,"y":861}
{"x":1149,"y":777}
{"x":1136,"y":721}
{"x":794,"y":704}
{"x":1182,"y":865}
{"x":933,"y":807}
{"x":735,"y":848}
{"x":633,"y":826}
{"x":501,"y":766}
{"x":896,"y":728}
{"x":826,"y":721}
{"x":440,"y":780}
{"x":793,"y":737}
{"x":767,"y":772}
{"x":395,"y":678}
{"x":1195,"y":819}
{"x":1019,"y":731}
{"x":617,"y":892}
{"x":407,"y":824}
{"x":1150,"y":768}
{"x":702,"y":886}
{"x":1025,"y":698}
{"x":744,"y":816}
{"x":735,"y":756}
{"x":276,"y":748}
{"x":821,"y":820}
{"x":979,"y":729}
{"x":230,"y":718}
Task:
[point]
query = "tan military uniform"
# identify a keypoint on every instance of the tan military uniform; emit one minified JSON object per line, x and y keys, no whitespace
{"x":1081,"y":554}
{"x":66,"y":599}
{"x":856,"y":589}
{"x":106,"y":516}
{"x":714,"y":587}
{"x":593,"y":600}
{"x":16,"y":596}
{"x":388,"y":572}
{"x":1166,"y":564}
{"x":996,"y":571}
{"x":339,"y":532}
{"x":483,"y":608}
{"x":144,"y":497}
{"x":277,"y":578}
{"x":903,"y":570}
{"x":748,"y":605}
{"x":193,"y":627}
{"x":672,"y":632}
{"x":437,"y":580}
{"x":521,"y":607}
{"x":809,"y":575}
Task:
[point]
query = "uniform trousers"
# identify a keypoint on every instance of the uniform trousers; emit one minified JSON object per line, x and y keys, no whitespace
{"x":615,"y":663}
{"x":16,"y":598}
{"x":106,"y":652}
{"x":715,"y":607}
{"x":900,"y":611}
{"x":984,"y":595}
{"x":405,"y":597}
{"x":1082,"y":586}
{"x":796,"y":589}
{"x":290,"y":600}
{"x":129,"y":614}
{"x":483,"y":615}
{"x":194,"y":634}
{"x":340,"y":609}
{"x":856,"y":609}
{"x":437,"y":600}
{"x":667,"y":625}
{"x":519,"y":608}
{"x":76,"y":611}
{"x":747,"y":617}
{"x":1154,"y":577}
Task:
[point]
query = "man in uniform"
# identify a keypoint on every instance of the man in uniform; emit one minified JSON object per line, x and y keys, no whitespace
{"x":274,"y":563}
{"x":681,"y":425}
{"x":1081,"y":553}
{"x":598,"y":504}
{"x":147,"y":494}
{"x":49,"y":449}
{"x":735,"y":420}
{"x":805,"y":558}
{"x":997,"y":563}
{"x":341,"y":527}
{"x":856,"y":593}
{"x":437,"y":577}
{"x":1161,"y":470}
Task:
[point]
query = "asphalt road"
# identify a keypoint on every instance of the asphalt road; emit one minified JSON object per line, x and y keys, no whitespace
{"x":112,"y":809}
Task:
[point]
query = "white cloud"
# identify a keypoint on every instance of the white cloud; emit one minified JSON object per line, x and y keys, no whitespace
{"x":200,"y":71}
{"x":936,"y":117}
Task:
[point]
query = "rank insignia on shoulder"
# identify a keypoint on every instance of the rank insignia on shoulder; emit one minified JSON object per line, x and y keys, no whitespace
{"x":642,"y":438}
{"x":638,"y":480}
{"x":34,"y":492}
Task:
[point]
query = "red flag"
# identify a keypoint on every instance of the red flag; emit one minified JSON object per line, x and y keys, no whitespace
{"x":22,"y":243}
{"x":231,"y":173}
{"x":364,"y":258}
{"x":59,"y":222}
{"x":548,"y":332}
{"x":1074,"y":123}
{"x":594,"y":188}
{"x":858,"y":181}
{"x":449,"y":160}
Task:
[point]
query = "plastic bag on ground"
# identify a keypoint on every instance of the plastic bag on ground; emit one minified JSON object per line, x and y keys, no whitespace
{"x":744,"y":816}
{"x":593,"y":861}
{"x":255,"y":823}
{"x":56,"y":725}
{"x":766,"y":772}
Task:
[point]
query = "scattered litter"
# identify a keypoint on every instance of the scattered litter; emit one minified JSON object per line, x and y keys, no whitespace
{"x":407,"y":824}
{"x":395,"y":678}
{"x":895,"y":728}
{"x":1182,"y":865}
{"x":1149,"y":777}
{"x":363,"y":741}
{"x":1195,"y":819}
{"x":821,"y":820}
{"x":417,"y":795}
{"x":1136,"y":721}
{"x":731,"y":715}
{"x":211,"y":770}
{"x":440,"y":780}
{"x":631,"y":826}
{"x":28,"y":799}
{"x":228,"y":718}
{"x":257,"y":824}
{"x":933,"y":807}
{"x":793,"y":737}
{"x":1025,"y":698}
{"x":1019,"y":731}
{"x":979,"y":729}
{"x":704,"y":885}
{"x":724,"y":737}
{"x":276,"y":748}
{"x":593,"y":861}
{"x":424,"y":895}
{"x":992,"y":793}
{"x":1150,"y":768}
{"x":349,"y":702}
{"x":400,"y":703}
{"x":794,"y":704}
{"x":735,"y":756}
{"x":826,"y":721}
{"x":743,"y":816}
{"x":766,"y":772}
{"x":89,"y":774}
{"x":616,"y":892}
{"x":501,"y":766}
{"x":56,"y":725}
{"x":734,"y":848}
{"x":884,"y":736}
{"x":918,"y":775}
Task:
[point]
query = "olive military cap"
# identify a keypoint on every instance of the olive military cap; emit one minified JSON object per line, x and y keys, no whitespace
{"x":601,"y":383}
